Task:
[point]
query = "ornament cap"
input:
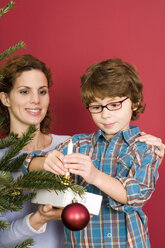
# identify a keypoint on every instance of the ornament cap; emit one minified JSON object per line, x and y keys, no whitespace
{"x":74,"y":200}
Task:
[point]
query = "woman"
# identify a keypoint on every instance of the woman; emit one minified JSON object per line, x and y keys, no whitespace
{"x":24,"y":102}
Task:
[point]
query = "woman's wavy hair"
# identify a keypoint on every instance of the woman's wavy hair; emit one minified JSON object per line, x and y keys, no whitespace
{"x":12,"y":69}
{"x":112,"y":78}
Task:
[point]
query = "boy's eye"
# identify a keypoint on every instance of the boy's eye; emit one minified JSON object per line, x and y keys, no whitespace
{"x":95,"y":107}
{"x":114,"y":104}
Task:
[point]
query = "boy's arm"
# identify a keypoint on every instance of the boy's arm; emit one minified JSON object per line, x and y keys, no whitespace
{"x":80,"y":164}
{"x":132,"y":190}
{"x":39,"y":160}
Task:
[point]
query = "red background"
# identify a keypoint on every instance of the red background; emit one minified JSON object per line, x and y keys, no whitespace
{"x":69,"y":35}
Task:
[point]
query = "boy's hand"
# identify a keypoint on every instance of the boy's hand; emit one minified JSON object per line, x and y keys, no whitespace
{"x":81,"y":165}
{"x":54,"y":163}
{"x":152,"y":140}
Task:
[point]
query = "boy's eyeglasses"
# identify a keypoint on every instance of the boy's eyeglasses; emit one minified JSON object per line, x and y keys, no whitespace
{"x":95,"y":109}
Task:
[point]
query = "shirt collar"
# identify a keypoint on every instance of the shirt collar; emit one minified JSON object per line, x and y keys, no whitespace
{"x":128,"y":135}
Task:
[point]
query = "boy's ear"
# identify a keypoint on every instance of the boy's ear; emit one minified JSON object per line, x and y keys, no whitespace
{"x":5,"y":99}
{"x":135,"y":106}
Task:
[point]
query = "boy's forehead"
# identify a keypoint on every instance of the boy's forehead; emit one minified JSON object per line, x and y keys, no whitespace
{"x":107,"y":99}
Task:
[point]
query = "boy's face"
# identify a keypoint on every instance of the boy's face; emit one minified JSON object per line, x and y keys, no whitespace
{"x":112,"y":122}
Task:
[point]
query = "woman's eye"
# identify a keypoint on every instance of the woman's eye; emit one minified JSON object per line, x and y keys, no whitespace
{"x":43,"y":92}
{"x":23,"y":91}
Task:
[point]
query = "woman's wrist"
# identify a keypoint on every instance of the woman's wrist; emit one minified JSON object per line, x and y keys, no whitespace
{"x":37,"y":221}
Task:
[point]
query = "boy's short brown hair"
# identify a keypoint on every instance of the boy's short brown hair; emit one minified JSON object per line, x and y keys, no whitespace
{"x":112,"y":78}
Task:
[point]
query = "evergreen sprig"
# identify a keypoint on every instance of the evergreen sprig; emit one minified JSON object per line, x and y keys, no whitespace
{"x":4,"y":224}
{"x":12,"y":192}
{"x":6,"y":8}
{"x":8,"y":141}
{"x":15,"y":163}
{"x":15,"y":148}
{"x":12,"y":50}
{"x":46,"y":180}
{"x":27,"y":243}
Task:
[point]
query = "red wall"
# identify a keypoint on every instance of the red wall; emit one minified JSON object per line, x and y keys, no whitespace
{"x":69,"y":35}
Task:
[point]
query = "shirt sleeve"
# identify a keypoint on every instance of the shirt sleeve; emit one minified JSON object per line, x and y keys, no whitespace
{"x":140,"y":181}
{"x":18,"y":231}
{"x":29,"y":157}
{"x":62,"y":147}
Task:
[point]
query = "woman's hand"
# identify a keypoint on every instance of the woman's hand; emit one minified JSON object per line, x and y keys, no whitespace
{"x":152,"y":140}
{"x":44,"y":214}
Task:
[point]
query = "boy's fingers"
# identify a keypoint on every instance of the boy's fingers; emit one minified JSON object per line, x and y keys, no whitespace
{"x":76,"y":157}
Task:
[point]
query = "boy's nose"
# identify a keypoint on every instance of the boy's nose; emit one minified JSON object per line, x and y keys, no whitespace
{"x":105,"y":113}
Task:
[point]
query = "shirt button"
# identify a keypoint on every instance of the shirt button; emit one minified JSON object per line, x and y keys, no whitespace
{"x":109,"y":235}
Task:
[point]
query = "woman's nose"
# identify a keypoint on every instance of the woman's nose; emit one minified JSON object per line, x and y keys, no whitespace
{"x":35,"y":98}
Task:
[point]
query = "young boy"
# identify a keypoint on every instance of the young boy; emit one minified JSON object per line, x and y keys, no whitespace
{"x":109,"y":162}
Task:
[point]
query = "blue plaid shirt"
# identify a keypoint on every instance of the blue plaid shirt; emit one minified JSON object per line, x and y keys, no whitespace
{"x":136,"y":166}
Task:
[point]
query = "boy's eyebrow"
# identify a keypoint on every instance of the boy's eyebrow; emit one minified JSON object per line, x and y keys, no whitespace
{"x":110,"y":101}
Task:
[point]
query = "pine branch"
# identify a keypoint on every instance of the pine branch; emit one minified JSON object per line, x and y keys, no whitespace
{"x":16,"y":147}
{"x":12,"y":50}
{"x":11,"y":191}
{"x":15,"y":164}
{"x":4,"y":224}
{"x":8,"y":141}
{"x":6,"y":8}
{"x":14,"y":200}
{"x":25,"y":244}
{"x":46,"y":180}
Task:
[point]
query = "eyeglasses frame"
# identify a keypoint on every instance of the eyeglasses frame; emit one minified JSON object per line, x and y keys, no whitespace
{"x":105,"y":106}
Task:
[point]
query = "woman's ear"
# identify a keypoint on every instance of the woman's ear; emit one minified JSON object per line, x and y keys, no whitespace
{"x":5,"y":99}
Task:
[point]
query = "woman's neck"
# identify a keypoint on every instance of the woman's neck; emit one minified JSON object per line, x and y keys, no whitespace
{"x":39,"y":142}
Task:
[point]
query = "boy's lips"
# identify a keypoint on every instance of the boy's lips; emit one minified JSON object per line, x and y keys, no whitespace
{"x":109,"y":124}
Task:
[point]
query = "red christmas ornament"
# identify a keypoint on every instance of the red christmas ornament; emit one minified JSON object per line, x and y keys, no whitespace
{"x":75,"y":216}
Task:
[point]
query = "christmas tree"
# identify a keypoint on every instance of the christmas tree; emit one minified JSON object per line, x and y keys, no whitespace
{"x":14,"y":192}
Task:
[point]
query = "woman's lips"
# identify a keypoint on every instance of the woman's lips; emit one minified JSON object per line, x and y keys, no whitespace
{"x":33,"y":111}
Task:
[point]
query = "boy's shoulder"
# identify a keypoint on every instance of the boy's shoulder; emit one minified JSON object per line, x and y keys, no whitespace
{"x":130,"y":137}
{"x":82,"y":138}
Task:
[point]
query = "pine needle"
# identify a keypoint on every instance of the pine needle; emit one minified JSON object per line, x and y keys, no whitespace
{"x":8,"y":141}
{"x":4,"y":224}
{"x":27,"y":243}
{"x":6,"y":8}
{"x":12,"y":50}
{"x":46,"y":180}
{"x":16,"y":147}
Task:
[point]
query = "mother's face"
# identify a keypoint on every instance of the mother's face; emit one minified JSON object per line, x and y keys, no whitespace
{"x":28,"y":101}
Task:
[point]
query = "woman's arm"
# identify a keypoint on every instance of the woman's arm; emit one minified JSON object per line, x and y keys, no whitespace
{"x":152,"y":140}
